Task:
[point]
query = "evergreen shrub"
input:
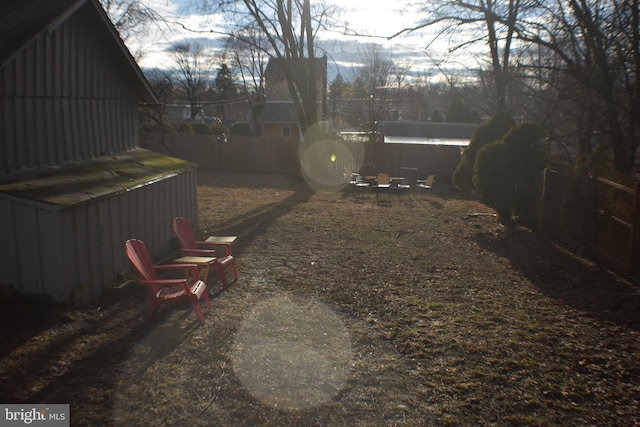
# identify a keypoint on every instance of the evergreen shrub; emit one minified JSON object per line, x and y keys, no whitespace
{"x":241,"y":129}
{"x":201,"y":128}
{"x":492,"y":130}
{"x":507,"y":173}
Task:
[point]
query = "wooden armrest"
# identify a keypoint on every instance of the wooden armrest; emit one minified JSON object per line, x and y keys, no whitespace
{"x":205,"y":244}
{"x":193,"y":267}
{"x":199,"y":252}
{"x":163,"y":282}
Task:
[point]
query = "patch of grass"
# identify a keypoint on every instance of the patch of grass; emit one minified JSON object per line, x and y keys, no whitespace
{"x":529,"y":364}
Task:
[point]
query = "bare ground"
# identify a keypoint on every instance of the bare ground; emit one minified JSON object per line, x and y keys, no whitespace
{"x":347,"y":313}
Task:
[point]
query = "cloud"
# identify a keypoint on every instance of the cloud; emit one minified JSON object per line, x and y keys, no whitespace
{"x":373,"y":20}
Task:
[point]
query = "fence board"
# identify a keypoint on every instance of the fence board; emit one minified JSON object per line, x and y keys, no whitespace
{"x":615,"y":219}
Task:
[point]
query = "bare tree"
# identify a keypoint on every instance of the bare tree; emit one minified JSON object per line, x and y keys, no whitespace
{"x":248,"y":51}
{"x":290,"y":28}
{"x":491,"y":22}
{"x":131,"y":18}
{"x":193,"y":71}
{"x":162,"y":83}
{"x":374,"y":83}
{"x":595,"y":44}
{"x":588,"y":57}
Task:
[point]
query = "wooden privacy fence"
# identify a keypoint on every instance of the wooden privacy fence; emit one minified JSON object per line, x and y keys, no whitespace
{"x":239,"y":154}
{"x":607,"y":219}
{"x":282,"y":155}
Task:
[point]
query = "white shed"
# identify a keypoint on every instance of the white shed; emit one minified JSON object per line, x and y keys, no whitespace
{"x":74,"y":184}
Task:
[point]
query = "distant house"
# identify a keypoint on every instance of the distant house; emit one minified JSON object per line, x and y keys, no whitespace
{"x":172,"y":112}
{"x":431,"y":133}
{"x":74,"y":184}
{"x":279,"y":117}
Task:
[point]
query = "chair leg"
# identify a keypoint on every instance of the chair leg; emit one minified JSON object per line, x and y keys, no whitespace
{"x":222,"y":275}
{"x":197,"y":291}
{"x":204,"y":272}
{"x":196,"y":308}
{"x":221,"y":267}
{"x":205,"y":295}
{"x":234,"y":267}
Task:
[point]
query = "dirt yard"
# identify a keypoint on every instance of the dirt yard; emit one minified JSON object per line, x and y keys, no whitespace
{"x":422,"y":312}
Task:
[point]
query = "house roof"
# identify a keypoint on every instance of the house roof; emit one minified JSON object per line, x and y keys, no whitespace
{"x":427,"y":130}
{"x":22,"y":21}
{"x":275,"y":68}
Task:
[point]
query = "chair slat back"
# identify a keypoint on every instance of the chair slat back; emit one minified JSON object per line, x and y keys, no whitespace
{"x":383,"y":179}
{"x":139,"y":257}
{"x":183,"y":231}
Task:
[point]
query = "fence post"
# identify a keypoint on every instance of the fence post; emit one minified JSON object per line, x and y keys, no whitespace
{"x":542,"y":203}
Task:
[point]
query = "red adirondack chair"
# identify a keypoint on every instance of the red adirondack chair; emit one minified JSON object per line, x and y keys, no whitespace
{"x":189,"y":246}
{"x":166,"y":291}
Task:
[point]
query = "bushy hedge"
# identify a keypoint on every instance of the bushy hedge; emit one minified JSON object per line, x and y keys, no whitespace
{"x":219,"y":129}
{"x":201,"y":128}
{"x":508,"y":173}
{"x":241,"y":129}
{"x":150,"y":127}
{"x":198,"y":128}
{"x":492,"y":130}
{"x":179,"y":127}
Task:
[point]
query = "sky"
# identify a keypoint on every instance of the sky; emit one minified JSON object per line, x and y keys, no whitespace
{"x":376,"y":18}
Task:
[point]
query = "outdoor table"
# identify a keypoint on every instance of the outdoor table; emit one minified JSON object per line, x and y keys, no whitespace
{"x":225,"y":241}
{"x":356,"y":182}
{"x":401,"y":184}
{"x":202,"y":262}
{"x":412,"y":174}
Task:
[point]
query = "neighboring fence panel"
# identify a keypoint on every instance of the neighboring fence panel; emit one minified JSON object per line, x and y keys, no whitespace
{"x":611,"y":229}
{"x":557,"y":185}
{"x":617,"y":240}
{"x":281,"y":155}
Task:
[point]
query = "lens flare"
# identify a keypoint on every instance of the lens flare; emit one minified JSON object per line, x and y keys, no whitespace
{"x":326,"y":164}
{"x":292,"y":354}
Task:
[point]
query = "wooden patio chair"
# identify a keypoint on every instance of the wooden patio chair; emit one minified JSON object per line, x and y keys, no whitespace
{"x":383,"y":183}
{"x":426,"y":184}
{"x":357,"y":185}
{"x":167,"y":291}
{"x":190,"y":247}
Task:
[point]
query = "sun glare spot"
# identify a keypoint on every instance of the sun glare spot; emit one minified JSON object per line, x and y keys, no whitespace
{"x":326,"y":164}
{"x":292,"y":354}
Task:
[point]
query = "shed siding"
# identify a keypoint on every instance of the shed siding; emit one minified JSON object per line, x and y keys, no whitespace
{"x":60,"y":101}
{"x":50,"y":255}
{"x":8,"y":256}
{"x":28,"y":256}
{"x":82,"y":247}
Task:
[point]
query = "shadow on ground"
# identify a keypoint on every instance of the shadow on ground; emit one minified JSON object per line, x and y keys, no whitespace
{"x":251,"y":224}
{"x":578,"y":283}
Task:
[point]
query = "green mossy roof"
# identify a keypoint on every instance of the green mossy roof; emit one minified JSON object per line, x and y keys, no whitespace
{"x":85,"y":181}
